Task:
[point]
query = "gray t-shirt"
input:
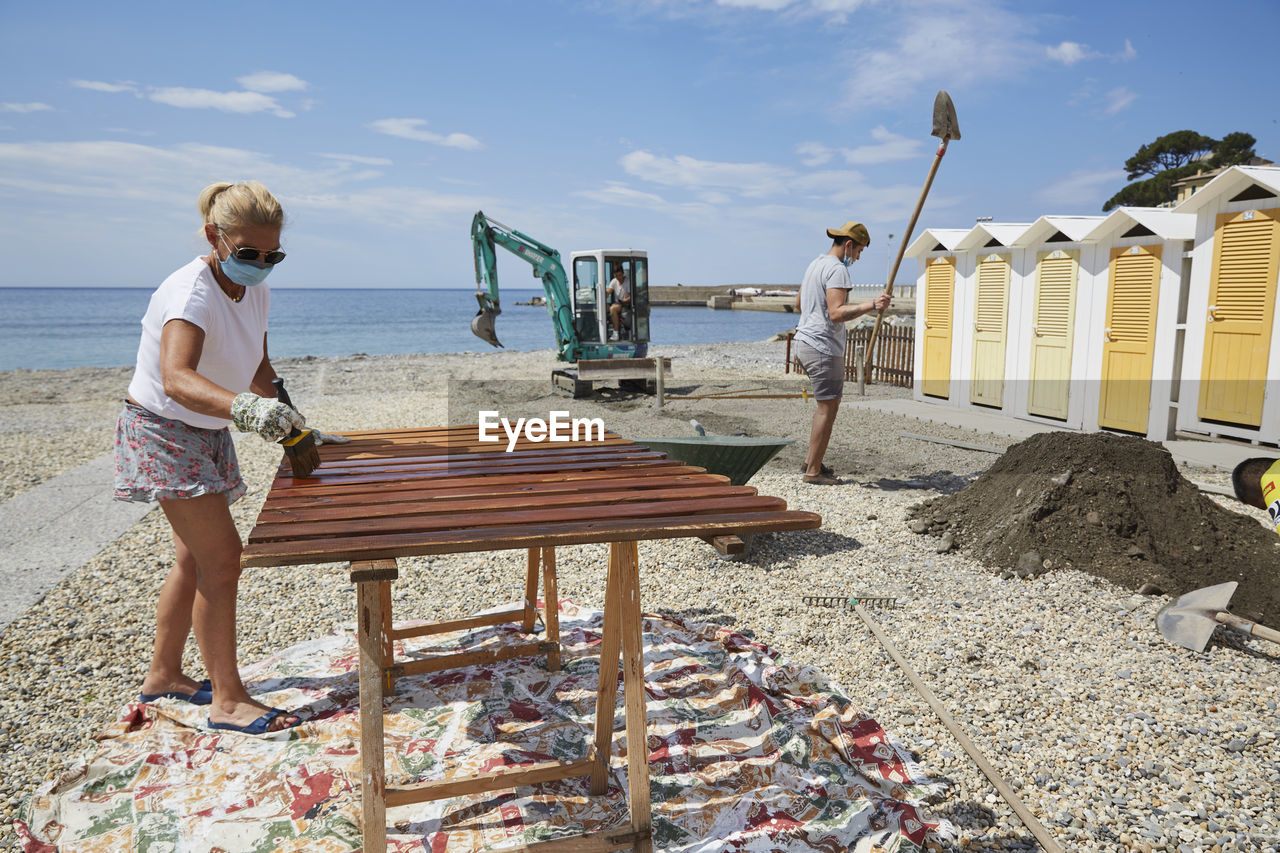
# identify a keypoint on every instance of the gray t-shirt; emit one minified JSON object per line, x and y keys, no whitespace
{"x":815,"y":327}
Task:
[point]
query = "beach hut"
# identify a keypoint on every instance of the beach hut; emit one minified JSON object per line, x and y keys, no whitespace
{"x":1053,"y":251}
{"x":936,"y":340}
{"x":1139,"y":273}
{"x":987,"y":250}
{"x":1230,"y":380}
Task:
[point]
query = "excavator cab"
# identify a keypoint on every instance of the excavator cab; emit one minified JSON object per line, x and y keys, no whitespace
{"x":594,"y":314}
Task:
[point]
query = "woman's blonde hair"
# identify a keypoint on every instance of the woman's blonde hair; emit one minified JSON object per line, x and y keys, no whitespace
{"x":247,"y":204}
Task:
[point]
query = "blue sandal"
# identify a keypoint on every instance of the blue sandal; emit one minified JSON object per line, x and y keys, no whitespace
{"x":260,"y":726}
{"x":202,"y":696}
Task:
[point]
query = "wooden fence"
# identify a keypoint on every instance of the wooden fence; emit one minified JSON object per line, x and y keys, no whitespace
{"x":892,"y":364}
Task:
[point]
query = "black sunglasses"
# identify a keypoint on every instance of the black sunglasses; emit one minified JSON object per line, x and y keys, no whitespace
{"x":247,"y":254}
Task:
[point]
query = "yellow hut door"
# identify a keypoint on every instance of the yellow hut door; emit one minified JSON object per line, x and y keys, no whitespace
{"x":991,"y":312}
{"x":1242,"y":300}
{"x":1054,"y":311}
{"x":939,"y":298}
{"x":1129,"y":339}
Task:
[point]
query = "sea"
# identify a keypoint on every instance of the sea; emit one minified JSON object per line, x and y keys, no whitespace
{"x":55,"y":328}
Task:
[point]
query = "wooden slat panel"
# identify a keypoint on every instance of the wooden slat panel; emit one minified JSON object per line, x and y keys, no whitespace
{"x":305,"y":484}
{"x":464,"y":518}
{"x":530,"y":487}
{"x":286,"y":495}
{"x":586,"y":497}
{"x":522,"y":536}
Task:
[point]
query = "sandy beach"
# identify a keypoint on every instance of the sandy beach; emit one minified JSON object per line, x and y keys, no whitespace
{"x":1114,"y":738}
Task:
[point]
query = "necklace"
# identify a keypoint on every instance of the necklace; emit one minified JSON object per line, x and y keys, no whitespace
{"x":243,"y":289}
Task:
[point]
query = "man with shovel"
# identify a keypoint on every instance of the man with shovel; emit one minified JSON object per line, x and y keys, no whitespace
{"x":820,"y":336}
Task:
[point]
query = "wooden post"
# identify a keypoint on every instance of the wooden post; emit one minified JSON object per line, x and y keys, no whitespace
{"x":660,"y":382}
{"x":860,"y":366}
{"x":607,"y":691}
{"x":388,"y":645}
{"x":530,"y":592}
{"x":551,"y":596}
{"x":634,"y":694}
{"x":373,"y":770}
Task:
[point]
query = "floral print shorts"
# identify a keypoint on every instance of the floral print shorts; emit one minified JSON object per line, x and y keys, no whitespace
{"x":159,"y":459}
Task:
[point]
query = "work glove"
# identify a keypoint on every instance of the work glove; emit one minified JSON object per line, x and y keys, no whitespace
{"x":269,"y":418}
{"x":326,"y":438}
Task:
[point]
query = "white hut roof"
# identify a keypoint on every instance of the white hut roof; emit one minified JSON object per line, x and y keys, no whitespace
{"x":1161,"y":221}
{"x":1230,"y":182}
{"x":948,"y":237}
{"x":1005,"y":233}
{"x":1075,"y":227}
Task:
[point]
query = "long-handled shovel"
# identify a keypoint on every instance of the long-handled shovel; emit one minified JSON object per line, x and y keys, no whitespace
{"x":946,"y":127}
{"x":1189,"y":621}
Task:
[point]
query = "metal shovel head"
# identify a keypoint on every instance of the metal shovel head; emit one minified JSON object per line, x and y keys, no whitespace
{"x":1189,"y":621}
{"x":945,"y":123}
{"x":482,"y":325}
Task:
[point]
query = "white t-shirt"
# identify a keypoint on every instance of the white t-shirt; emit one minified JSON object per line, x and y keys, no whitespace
{"x":233,"y":335}
{"x":619,"y":289}
{"x":815,"y":327}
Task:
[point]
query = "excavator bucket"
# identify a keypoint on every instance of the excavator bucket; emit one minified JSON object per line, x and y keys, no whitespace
{"x":482,"y":323}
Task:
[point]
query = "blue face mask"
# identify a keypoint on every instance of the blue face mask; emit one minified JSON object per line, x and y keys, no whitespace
{"x":244,"y":273}
{"x":848,"y":262}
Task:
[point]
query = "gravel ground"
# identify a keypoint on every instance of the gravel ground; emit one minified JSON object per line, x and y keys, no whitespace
{"x":1115,"y":739}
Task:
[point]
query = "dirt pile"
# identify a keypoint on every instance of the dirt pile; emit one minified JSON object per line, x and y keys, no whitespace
{"x":1112,"y":506}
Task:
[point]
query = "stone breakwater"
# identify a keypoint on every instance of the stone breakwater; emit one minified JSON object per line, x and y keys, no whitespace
{"x":1117,"y":740}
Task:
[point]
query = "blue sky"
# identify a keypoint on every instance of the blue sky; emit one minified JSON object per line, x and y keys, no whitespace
{"x":722,"y":136}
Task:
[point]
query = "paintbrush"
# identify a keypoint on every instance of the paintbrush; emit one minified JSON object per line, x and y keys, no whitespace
{"x":300,"y":445}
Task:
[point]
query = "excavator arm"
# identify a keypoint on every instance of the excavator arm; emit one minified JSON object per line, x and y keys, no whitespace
{"x":486,"y":236}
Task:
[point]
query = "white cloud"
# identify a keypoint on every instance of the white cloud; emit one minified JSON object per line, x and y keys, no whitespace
{"x":271,"y":81}
{"x":415,"y":128}
{"x":814,"y":153}
{"x":32,"y":107}
{"x":356,"y":158}
{"x":888,"y":148}
{"x":747,"y":179}
{"x":1069,"y":52}
{"x":937,"y":41}
{"x":766,"y":5}
{"x":99,"y":86}
{"x":1082,"y":188}
{"x":1120,"y":99}
{"x":120,"y":177}
{"x":229,"y":102}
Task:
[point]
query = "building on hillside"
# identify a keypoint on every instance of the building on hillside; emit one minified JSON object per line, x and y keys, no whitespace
{"x":1187,"y":187}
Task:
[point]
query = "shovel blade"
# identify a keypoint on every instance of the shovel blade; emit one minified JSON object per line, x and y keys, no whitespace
{"x":945,"y":123}
{"x":1189,"y":621}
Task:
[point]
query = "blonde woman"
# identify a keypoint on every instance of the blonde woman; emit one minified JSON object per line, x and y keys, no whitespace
{"x":202,"y":364}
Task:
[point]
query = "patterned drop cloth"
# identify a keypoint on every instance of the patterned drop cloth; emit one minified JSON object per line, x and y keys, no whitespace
{"x":746,"y":752}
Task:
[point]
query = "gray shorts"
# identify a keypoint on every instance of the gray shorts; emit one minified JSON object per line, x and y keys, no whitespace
{"x":160,"y":459}
{"x":825,"y":372}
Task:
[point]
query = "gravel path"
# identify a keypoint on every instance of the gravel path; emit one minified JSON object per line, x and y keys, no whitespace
{"x":1116,"y":739}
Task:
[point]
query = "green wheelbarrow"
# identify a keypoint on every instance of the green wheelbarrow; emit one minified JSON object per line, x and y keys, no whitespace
{"x":737,"y":457}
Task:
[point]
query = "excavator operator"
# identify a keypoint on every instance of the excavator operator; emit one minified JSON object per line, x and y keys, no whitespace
{"x":619,"y":296}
